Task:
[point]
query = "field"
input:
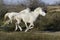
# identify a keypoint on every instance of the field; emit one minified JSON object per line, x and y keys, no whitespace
{"x":46,"y":28}
{"x":30,"y":36}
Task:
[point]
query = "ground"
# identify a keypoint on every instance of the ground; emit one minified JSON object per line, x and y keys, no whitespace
{"x":29,"y":35}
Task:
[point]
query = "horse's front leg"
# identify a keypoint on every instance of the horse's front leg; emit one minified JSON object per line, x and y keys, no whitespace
{"x":29,"y":27}
{"x":26,"y":27}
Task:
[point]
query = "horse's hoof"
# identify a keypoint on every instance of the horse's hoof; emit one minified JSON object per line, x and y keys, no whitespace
{"x":26,"y":30}
{"x":31,"y":27}
{"x":20,"y":30}
{"x":15,"y":30}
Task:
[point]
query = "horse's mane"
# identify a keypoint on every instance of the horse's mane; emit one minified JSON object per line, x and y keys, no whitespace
{"x":37,"y":9}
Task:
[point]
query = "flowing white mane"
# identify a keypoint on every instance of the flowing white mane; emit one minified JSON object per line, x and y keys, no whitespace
{"x":25,"y":11}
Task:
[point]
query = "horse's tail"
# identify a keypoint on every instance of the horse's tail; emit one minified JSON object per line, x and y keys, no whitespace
{"x":5,"y":17}
{"x":4,"y":23}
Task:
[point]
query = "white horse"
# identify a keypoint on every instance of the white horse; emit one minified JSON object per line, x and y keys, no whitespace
{"x":12,"y":15}
{"x":30,"y":17}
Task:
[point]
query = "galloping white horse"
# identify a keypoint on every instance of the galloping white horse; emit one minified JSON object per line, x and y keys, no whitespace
{"x":12,"y":15}
{"x":30,"y":17}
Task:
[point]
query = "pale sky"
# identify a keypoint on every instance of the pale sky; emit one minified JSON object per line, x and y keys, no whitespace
{"x":14,"y":1}
{"x":24,"y":1}
{"x":50,"y":1}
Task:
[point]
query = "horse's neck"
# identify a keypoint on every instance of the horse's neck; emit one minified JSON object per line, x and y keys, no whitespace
{"x":35,"y":15}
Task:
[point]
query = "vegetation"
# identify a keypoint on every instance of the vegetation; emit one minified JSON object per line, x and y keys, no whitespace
{"x":28,"y":36}
{"x":51,"y":22}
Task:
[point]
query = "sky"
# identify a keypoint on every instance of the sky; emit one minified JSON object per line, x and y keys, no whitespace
{"x":22,"y":1}
{"x":50,"y":1}
{"x":15,"y":1}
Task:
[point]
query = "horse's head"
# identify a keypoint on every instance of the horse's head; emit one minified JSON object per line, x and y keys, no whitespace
{"x":40,"y":11}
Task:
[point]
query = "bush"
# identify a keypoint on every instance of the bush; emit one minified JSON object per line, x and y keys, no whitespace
{"x":3,"y":11}
{"x":53,"y":23}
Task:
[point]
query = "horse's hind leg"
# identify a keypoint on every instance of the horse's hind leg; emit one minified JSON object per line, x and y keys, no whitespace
{"x":20,"y":28}
{"x":16,"y":27}
{"x":18,"y":22}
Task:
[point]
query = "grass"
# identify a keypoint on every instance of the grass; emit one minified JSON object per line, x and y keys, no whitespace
{"x":28,"y":36}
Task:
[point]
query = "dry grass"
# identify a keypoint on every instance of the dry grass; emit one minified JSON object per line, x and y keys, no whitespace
{"x":28,"y":36}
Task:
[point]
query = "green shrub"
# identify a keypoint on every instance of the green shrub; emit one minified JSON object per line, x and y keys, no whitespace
{"x":3,"y":11}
